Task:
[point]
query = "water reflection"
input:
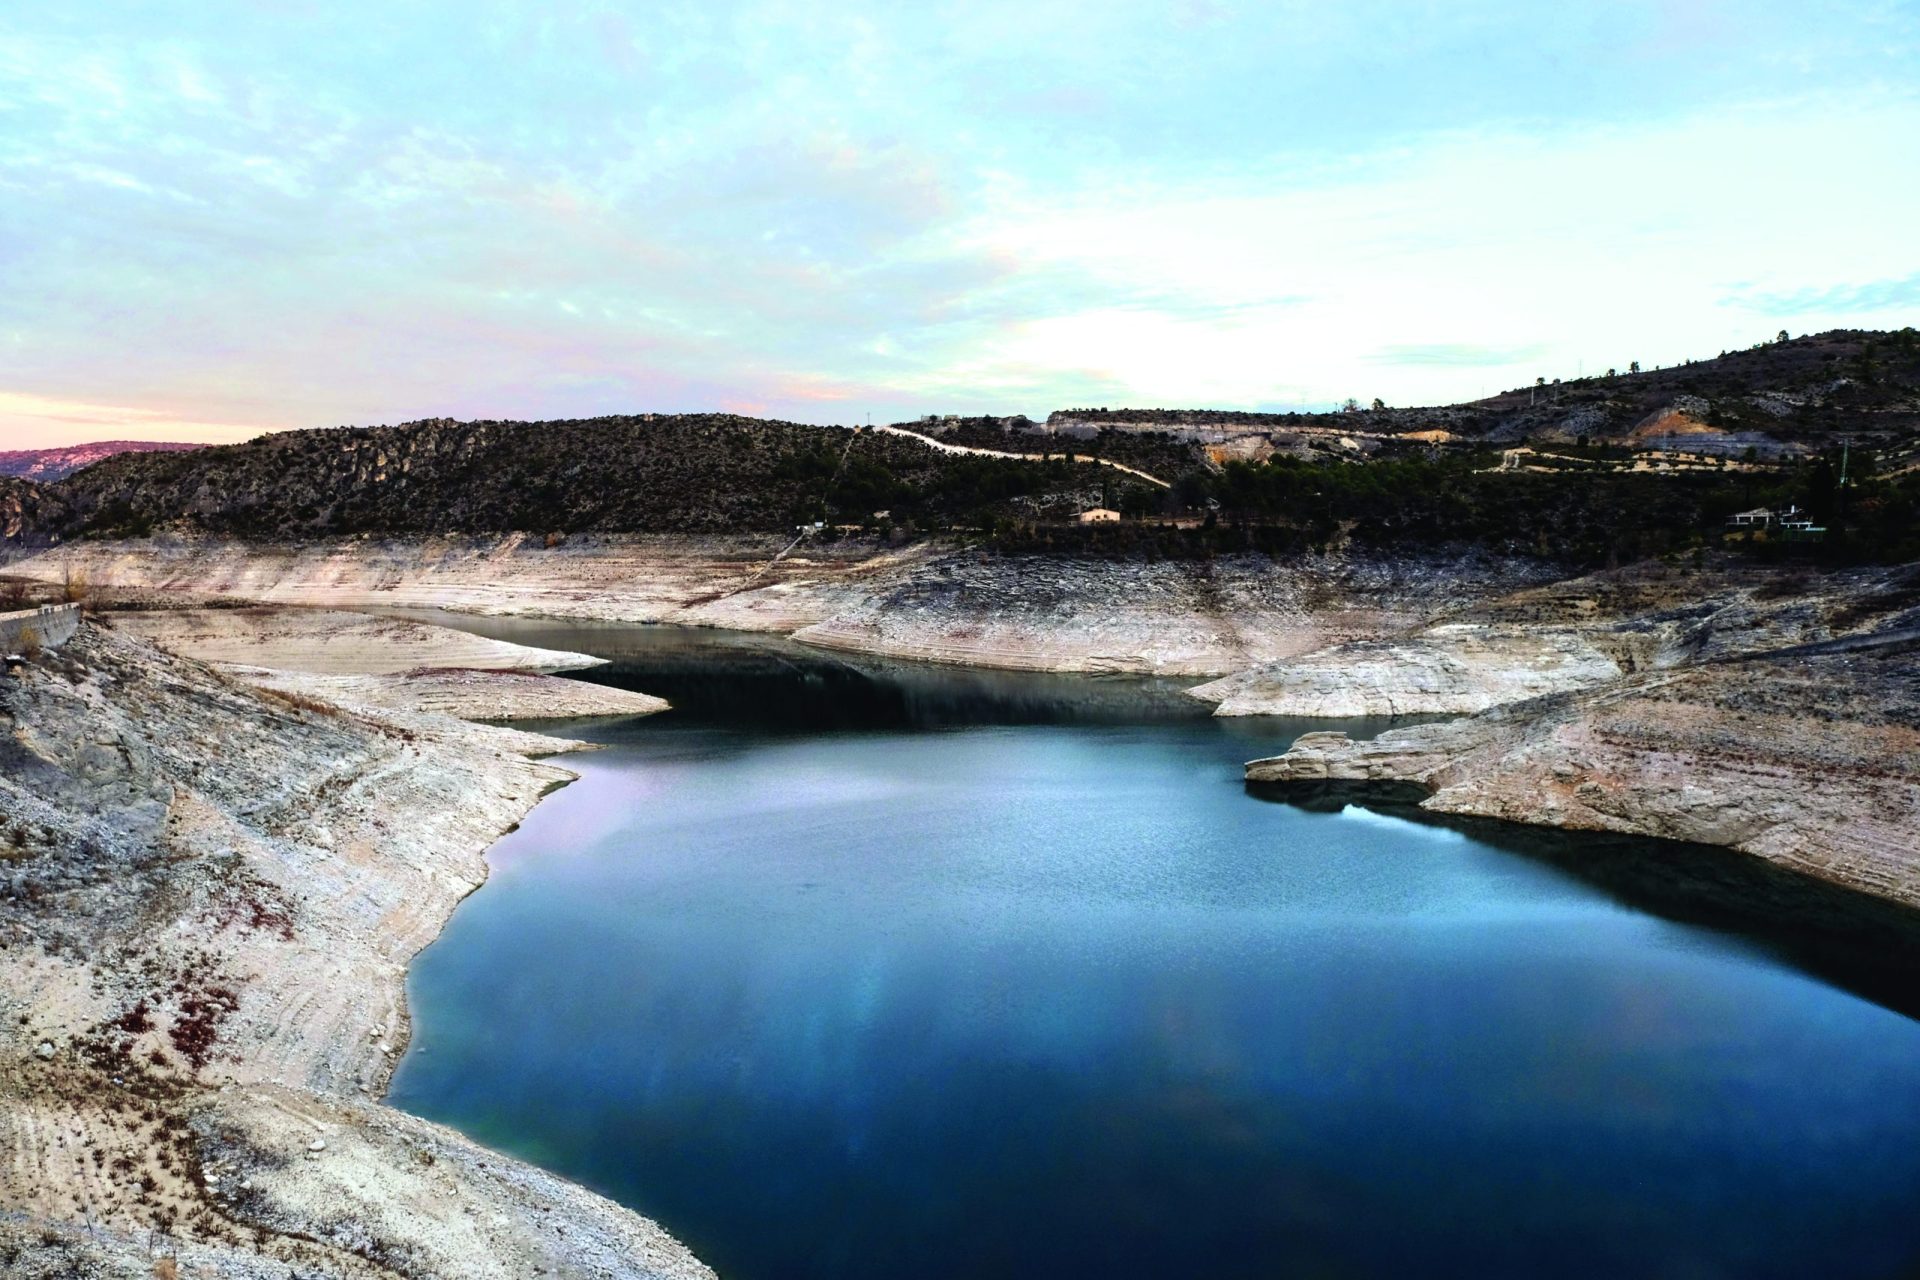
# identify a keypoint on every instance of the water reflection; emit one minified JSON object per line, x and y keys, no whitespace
{"x":874,"y":972}
{"x":1869,"y":946}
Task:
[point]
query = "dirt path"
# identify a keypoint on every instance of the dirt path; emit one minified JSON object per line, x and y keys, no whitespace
{"x":945,"y":447}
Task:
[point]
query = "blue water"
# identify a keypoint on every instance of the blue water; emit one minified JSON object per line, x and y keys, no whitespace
{"x":938,"y":998}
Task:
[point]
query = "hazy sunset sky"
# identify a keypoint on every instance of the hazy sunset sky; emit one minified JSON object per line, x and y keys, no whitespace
{"x":221,"y":217}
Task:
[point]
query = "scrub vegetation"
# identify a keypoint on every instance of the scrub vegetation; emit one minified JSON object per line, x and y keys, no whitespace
{"x":1596,"y":471}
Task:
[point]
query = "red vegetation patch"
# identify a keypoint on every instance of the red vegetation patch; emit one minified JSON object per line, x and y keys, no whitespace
{"x":197,"y":1028}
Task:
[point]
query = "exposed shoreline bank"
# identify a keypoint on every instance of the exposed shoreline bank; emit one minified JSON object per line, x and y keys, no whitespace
{"x":1353,"y":634}
{"x":925,"y":601}
{"x":205,"y":967}
{"x":1798,"y":758}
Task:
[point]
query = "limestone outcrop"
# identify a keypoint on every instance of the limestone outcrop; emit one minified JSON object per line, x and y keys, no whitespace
{"x":1809,"y":760}
{"x":1579,"y":633}
{"x":209,"y":894}
{"x":1445,"y":670}
{"x":333,"y":642}
{"x":929,"y":601}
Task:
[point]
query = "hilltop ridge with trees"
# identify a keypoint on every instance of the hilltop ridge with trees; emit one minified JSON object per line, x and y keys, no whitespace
{"x":1841,"y":412}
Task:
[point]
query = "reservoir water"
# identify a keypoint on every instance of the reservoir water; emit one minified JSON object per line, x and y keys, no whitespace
{"x":847,"y":970}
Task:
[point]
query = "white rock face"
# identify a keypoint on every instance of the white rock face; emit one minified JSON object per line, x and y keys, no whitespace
{"x":1811,"y":762}
{"x":929,"y":601}
{"x":382,"y":663}
{"x":333,"y":642}
{"x":1451,"y":669}
{"x":243,"y":881}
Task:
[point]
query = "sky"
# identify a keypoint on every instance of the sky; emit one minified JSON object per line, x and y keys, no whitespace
{"x":223,"y":217}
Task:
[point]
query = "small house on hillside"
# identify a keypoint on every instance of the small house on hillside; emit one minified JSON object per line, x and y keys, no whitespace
{"x":1793,"y":523}
{"x":1098,"y":515}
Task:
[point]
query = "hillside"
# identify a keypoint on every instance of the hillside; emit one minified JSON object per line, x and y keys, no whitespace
{"x":1598,"y":471}
{"x":47,"y":465}
{"x":1776,"y":398}
{"x":687,"y":473}
{"x":29,"y":513}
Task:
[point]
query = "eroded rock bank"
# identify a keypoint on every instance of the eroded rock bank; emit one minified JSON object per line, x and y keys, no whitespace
{"x":742,"y":582}
{"x":394,"y":664}
{"x":1577,"y":633}
{"x":928,"y":601}
{"x":333,"y":642}
{"x":211,"y":895}
{"x":1810,"y":760}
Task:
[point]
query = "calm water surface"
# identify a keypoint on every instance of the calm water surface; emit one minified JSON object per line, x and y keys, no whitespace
{"x":860,"y":972}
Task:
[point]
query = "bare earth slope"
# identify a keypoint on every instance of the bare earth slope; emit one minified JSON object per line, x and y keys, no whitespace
{"x":332,"y":642}
{"x":1811,"y":762}
{"x":929,"y":601}
{"x":208,"y":898}
{"x":1579,"y":633}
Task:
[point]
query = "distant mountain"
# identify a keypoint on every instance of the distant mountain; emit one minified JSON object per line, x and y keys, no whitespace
{"x":47,"y":465}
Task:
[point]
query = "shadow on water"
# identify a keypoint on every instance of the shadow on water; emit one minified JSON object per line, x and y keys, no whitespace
{"x":769,"y":682}
{"x":774,"y":687}
{"x":1863,"y":944}
{"x":833,"y":986}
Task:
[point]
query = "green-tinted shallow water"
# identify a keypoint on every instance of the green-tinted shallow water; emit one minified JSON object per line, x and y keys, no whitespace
{"x":866,"y":971}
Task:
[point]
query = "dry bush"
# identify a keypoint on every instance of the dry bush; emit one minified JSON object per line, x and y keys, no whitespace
{"x":30,"y":643}
{"x":76,"y":587}
{"x":298,"y":701}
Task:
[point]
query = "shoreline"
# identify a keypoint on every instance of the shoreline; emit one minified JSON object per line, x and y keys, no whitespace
{"x":1327,"y":635}
{"x":233,"y":960}
{"x":1513,"y":763}
{"x":403,"y":1039}
{"x":1175,"y":618}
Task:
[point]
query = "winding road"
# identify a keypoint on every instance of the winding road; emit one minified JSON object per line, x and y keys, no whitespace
{"x":945,"y":447}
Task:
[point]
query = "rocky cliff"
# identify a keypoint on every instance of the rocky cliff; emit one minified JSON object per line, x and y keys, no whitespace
{"x":30,"y":514}
{"x":1575,"y":633}
{"x":1810,"y":760}
{"x":929,"y":601}
{"x":210,"y":896}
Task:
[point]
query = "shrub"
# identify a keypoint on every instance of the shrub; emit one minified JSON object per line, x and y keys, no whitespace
{"x":76,"y":587}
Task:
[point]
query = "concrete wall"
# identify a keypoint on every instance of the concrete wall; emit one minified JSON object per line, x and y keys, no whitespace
{"x":54,"y":624}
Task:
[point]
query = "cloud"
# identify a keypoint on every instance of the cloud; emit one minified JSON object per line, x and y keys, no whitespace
{"x":1872,"y":297}
{"x":1464,"y":355}
{"x":302,"y":215}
